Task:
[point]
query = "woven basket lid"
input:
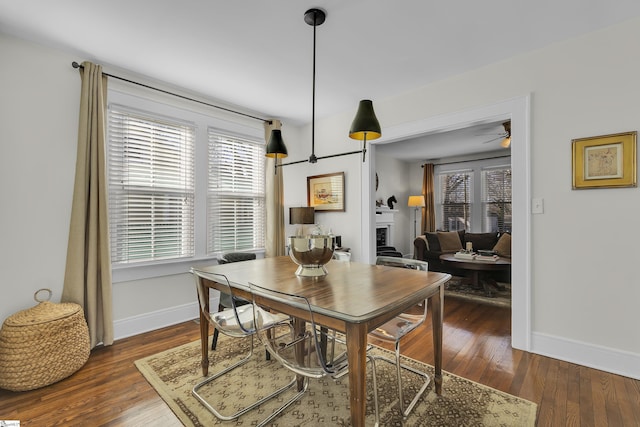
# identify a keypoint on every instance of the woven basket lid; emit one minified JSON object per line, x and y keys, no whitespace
{"x":44,"y":312}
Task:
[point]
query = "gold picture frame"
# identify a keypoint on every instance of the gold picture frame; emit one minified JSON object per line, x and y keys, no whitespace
{"x":607,"y":161}
{"x":325,"y":192}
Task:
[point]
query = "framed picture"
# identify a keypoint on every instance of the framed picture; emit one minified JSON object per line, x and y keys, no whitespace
{"x":606,"y":161}
{"x":326,"y":192}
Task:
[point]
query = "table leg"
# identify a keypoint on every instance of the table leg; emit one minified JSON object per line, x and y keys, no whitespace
{"x":299,"y":327}
{"x":204,"y":334}
{"x":357,"y":355}
{"x":437,"y":308}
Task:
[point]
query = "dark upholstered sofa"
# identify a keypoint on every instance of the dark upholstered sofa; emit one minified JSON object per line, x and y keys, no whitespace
{"x":430,"y":245}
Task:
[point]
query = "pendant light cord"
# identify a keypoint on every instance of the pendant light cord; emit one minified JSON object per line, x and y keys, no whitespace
{"x":313,"y":158}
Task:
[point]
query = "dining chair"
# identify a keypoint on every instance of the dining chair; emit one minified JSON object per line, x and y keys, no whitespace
{"x":238,"y":322}
{"x":301,"y":345}
{"x":398,"y":327}
{"x":225,"y":299}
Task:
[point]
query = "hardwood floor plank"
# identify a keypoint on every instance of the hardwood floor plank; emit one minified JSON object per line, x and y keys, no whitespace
{"x":109,"y":390}
{"x":573,"y":395}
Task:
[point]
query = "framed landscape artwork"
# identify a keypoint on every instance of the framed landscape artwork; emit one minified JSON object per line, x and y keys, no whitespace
{"x":606,"y":161}
{"x":325,"y":193}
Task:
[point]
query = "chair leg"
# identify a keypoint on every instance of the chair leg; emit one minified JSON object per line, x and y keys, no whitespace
{"x":396,"y":362}
{"x":197,"y":387}
{"x":214,"y":341}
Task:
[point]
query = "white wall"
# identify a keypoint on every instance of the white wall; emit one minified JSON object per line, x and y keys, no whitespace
{"x":585,"y":289}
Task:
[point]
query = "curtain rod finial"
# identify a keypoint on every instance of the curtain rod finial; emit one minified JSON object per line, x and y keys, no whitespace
{"x":74,"y":64}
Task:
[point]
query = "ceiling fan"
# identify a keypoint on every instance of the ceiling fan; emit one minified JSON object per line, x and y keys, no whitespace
{"x":505,"y":136}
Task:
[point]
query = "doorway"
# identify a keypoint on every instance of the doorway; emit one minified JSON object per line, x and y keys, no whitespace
{"x":518,"y":111}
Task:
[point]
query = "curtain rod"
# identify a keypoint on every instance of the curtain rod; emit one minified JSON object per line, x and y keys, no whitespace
{"x":466,"y":161}
{"x":76,"y":65}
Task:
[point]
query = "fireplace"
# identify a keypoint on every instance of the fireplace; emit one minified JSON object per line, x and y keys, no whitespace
{"x":384,"y":227}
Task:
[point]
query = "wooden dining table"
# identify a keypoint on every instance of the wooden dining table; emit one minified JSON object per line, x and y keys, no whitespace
{"x":353,"y":298}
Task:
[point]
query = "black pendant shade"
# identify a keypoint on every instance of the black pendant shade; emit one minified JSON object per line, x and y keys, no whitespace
{"x":365,"y":125}
{"x":276,"y":147}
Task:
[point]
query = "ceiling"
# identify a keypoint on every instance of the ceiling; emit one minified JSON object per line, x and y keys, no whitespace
{"x":257,"y":54}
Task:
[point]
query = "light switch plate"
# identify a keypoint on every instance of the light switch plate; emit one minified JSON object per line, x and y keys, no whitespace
{"x":537,"y":205}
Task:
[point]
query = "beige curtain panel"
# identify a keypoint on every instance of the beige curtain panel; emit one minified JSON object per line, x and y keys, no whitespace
{"x":87,"y":278}
{"x":275,"y":245}
{"x":428,"y":190}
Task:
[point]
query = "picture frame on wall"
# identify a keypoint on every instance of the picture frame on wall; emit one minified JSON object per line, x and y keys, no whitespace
{"x":606,"y":161}
{"x":325,"y":193}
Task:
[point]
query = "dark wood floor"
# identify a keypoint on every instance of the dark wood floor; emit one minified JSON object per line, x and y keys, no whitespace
{"x":109,"y":390}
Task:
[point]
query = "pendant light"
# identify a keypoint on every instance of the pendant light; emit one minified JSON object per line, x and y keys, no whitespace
{"x":365,"y":125}
{"x":276,"y":148}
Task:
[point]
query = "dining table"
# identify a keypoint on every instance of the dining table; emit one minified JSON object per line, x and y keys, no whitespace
{"x":353,"y":298}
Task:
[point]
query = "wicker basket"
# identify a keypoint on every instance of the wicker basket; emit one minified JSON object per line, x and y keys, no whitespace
{"x":42,"y":345}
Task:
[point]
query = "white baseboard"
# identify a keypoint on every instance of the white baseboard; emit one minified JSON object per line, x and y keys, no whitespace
{"x":146,"y":322}
{"x":596,"y":357}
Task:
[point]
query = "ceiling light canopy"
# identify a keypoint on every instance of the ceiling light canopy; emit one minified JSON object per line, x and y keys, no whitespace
{"x":365,"y":125}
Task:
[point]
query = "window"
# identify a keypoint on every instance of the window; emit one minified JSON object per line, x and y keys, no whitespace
{"x":184,"y":185}
{"x":496,"y":198}
{"x":455,"y":200}
{"x":476,"y":198}
{"x":151,"y":187}
{"x":236,"y":193}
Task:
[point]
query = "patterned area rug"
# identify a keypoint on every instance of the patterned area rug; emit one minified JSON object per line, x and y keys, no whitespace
{"x":174,"y":372}
{"x":458,"y":287}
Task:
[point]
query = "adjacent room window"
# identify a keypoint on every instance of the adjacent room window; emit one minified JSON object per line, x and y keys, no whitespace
{"x":455,"y":200}
{"x":496,"y":199}
{"x":151,"y":187}
{"x":236,"y":193}
{"x":476,"y":198}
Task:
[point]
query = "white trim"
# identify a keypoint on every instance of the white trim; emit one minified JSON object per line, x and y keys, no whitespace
{"x":518,"y":111}
{"x":594,"y":356}
{"x":159,"y":319}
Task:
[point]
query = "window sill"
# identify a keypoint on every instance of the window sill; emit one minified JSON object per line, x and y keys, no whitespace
{"x":127,"y":273}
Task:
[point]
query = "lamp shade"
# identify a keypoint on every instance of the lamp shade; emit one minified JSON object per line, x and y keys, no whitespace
{"x":416,"y":201}
{"x":365,"y":125}
{"x":301,"y":215}
{"x":276,"y":147}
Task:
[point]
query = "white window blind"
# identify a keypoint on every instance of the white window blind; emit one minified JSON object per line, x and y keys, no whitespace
{"x":496,"y":198}
{"x":236,"y":193}
{"x":455,"y":190}
{"x":151,"y":187}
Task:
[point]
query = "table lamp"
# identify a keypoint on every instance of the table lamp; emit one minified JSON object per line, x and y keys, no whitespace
{"x":301,"y":215}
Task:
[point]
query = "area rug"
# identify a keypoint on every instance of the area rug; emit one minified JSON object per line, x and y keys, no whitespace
{"x":174,"y":372}
{"x":458,"y":287}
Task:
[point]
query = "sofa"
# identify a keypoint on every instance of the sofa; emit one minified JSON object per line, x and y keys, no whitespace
{"x":430,"y":245}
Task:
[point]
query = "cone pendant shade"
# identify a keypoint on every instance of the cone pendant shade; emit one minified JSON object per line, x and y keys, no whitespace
{"x":276,"y":147}
{"x":365,"y":125}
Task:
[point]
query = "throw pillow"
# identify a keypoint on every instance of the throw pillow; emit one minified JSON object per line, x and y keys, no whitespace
{"x":433,"y":244}
{"x":449,"y":241}
{"x":503,"y":247}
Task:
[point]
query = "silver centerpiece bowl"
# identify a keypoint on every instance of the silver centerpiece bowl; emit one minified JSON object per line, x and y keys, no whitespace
{"x":311,"y":253}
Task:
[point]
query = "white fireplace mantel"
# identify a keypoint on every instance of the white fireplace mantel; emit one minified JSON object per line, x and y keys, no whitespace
{"x":385,"y":224}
